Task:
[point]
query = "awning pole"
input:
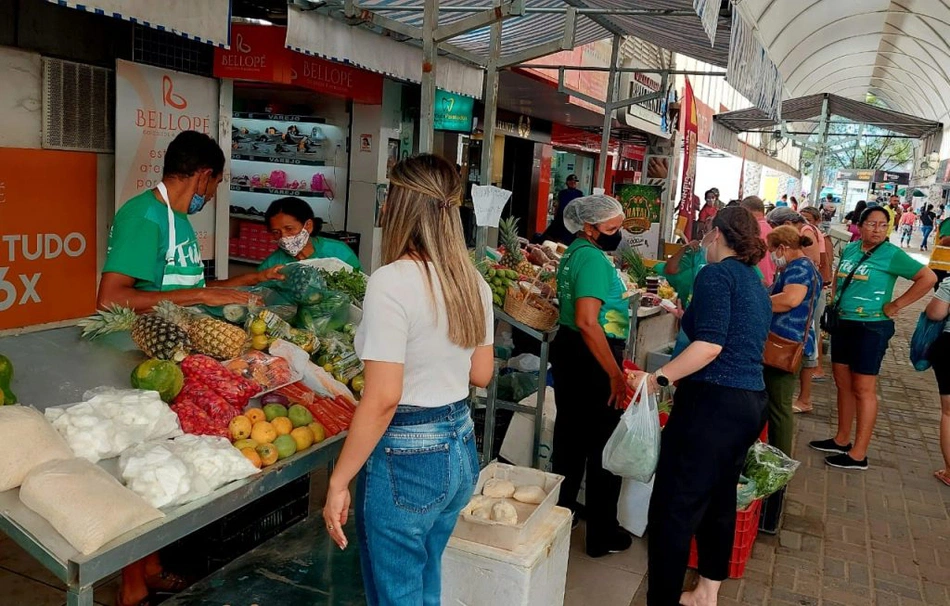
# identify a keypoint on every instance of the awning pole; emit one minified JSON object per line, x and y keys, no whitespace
{"x":608,"y":113}
{"x":430,"y":21}
{"x":488,"y":126}
{"x":820,"y":156}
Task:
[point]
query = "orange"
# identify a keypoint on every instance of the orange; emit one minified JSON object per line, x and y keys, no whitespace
{"x":255,"y":415}
{"x":252,"y":456}
{"x":303,"y":437}
{"x":282,"y":425}
{"x":240,"y":428}
{"x":319,"y":433}
{"x":263,"y":432}
{"x":268,"y":454}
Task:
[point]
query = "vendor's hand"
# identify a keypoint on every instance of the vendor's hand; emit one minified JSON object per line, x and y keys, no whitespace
{"x":216,"y":297}
{"x":694,"y":244}
{"x":336,"y":511}
{"x":271,"y":274}
{"x":891,"y":310}
{"x":618,"y":391}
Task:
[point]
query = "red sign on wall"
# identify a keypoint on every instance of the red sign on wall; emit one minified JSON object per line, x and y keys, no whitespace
{"x":258,"y":54}
{"x":48,"y":236}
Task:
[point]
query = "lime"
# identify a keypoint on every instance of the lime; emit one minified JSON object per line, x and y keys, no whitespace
{"x":358,"y":383}
{"x":258,"y":327}
{"x":260,"y":342}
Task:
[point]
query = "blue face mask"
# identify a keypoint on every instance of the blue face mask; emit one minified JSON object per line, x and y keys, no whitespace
{"x":196,"y":204}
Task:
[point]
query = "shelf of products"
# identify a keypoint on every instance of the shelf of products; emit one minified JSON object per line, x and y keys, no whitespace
{"x":274,"y":191}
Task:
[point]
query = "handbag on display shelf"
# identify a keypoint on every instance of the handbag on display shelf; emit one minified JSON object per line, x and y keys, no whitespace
{"x":786,"y":354}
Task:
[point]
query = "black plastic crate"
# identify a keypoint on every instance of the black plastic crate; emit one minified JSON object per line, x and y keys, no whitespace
{"x":772,"y":512}
{"x":216,"y":545}
{"x":502,"y":421}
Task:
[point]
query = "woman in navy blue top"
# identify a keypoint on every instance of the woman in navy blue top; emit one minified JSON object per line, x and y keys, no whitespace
{"x":718,"y":412}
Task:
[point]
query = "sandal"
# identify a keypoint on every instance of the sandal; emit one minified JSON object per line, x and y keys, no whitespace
{"x":942,"y":476}
{"x":167,"y":582}
{"x":799,"y":408}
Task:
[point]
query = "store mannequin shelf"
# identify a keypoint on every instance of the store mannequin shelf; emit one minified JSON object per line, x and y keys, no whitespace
{"x":254,"y":218}
{"x":276,"y":159}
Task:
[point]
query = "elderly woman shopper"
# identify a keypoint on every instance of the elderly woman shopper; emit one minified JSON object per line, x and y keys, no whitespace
{"x":586,"y":364}
{"x":718,"y":412}
{"x":867,"y":273}
{"x":794,"y":303}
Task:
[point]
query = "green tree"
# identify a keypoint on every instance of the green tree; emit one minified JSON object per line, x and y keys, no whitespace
{"x":849,"y":147}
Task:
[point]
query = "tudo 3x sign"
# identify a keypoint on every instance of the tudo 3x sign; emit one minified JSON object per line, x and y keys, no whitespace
{"x":48,"y":243}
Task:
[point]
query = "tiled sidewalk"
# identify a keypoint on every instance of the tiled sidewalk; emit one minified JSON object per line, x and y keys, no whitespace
{"x":855,"y":538}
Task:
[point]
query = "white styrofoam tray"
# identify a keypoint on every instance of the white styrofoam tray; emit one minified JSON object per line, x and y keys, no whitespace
{"x":530,"y":517}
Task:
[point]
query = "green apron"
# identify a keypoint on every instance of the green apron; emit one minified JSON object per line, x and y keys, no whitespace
{"x":175,"y":276}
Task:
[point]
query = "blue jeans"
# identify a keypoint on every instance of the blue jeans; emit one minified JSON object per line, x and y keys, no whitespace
{"x":409,"y":495}
{"x":925,"y":230}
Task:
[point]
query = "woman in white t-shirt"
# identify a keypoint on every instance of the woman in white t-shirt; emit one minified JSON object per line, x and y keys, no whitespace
{"x":426,"y":335}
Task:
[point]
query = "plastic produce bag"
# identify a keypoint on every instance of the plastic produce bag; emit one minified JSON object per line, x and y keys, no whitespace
{"x":112,"y":420}
{"x":634,"y":447}
{"x":38,"y":443}
{"x":769,"y":468}
{"x":84,"y":503}
{"x":302,"y":284}
{"x":267,"y":298}
{"x":745,"y":493}
{"x":330,"y":313}
{"x":925,"y":335}
{"x":516,"y":386}
{"x":174,"y":472}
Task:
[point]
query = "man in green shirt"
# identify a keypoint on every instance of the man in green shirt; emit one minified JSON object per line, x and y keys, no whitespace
{"x":153,"y":252}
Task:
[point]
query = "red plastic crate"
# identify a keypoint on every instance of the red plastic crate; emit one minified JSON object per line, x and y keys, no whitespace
{"x":747,"y":529}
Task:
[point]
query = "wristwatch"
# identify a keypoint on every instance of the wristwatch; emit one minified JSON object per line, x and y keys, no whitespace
{"x":661,"y":379}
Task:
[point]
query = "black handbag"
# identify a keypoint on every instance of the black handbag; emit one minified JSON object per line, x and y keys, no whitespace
{"x":831,"y":320}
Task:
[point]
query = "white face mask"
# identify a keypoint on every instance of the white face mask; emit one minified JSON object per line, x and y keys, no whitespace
{"x":292,"y":245}
{"x":780,"y":262}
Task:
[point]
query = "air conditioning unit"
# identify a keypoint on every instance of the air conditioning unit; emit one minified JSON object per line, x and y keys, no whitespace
{"x":78,"y":106}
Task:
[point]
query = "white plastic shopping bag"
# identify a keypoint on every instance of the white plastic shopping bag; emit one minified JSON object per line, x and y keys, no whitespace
{"x":634,"y":447}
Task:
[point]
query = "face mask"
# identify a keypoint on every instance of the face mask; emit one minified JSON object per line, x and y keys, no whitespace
{"x":292,"y":245}
{"x":196,"y":204}
{"x":780,"y":262}
{"x":609,"y":243}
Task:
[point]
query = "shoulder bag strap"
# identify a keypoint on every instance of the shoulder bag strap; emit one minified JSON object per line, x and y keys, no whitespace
{"x":847,"y":281}
{"x":816,"y":288}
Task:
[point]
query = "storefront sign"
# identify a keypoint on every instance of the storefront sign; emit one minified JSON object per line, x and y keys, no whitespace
{"x":853,"y":174}
{"x":690,"y":130}
{"x":48,"y":240}
{"x":883,"y":176}
{"x":453,"y":112}
{"x":259,"y":54}
{"x":641,"y":205}
{"x":153,"y":106}
{"x":522,"y":126}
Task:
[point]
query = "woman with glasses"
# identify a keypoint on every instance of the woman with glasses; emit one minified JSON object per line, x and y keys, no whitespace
{"x":866,"y":325}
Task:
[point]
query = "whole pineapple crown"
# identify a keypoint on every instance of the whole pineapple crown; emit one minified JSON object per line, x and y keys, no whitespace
{"x":107,"y":321}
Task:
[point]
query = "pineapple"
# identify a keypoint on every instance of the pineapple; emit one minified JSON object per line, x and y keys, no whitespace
{"x":513,"y":257}
{"x":208,"y":336}
{"x":154,"y":335}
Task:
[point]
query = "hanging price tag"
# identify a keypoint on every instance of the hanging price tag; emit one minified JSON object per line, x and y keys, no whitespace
{"x":489,"y":202}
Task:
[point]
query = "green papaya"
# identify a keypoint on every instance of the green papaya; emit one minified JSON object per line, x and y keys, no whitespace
{"x":6,"y":379}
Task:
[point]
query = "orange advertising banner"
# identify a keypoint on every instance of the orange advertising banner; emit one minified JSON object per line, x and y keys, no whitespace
{"x":47,"y":236}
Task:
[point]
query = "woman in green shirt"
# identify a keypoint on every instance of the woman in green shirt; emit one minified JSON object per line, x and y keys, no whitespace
{"x":586,"y":366}
{"x":292,"y":223}
{"x":866,"y":326}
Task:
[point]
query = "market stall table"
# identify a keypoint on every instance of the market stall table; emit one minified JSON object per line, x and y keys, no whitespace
{"x":53,"y":368}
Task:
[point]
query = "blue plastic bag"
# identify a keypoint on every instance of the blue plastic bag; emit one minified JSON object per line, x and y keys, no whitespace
{"x":924,"y":337}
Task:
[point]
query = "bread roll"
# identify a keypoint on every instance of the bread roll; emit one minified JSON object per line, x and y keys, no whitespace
{"x":530,"y":494}
{"x":498,"y":489}
{"x":504,"y":512}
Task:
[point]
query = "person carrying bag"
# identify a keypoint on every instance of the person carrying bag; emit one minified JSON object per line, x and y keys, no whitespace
{"x":831,"y":319}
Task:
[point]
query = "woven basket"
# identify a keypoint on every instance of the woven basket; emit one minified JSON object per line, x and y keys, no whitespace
{"x":530,"y":309}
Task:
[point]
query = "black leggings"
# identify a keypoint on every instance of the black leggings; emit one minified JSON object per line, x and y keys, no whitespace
{"x":703,"y":448}
{"x":584,"y":423}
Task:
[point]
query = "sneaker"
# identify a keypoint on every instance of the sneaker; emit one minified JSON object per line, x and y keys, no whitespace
{"x":830,"y":446}
{"x":621,"y":541}
{"x":844,"y":461}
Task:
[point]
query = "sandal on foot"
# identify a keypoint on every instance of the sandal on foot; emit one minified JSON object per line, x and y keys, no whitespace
{"x":167,"y":582}
{"x":942,"y":476}
{"x":798,"y":408}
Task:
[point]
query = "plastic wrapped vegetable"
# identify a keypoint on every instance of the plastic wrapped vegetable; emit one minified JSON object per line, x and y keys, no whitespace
{"x":267,"y":298}
{"x":769,"y":468}
{"x":330,"y":313}
{"x":302,"y":284}
{"x":745,"y":493}
{"x":633,"y":449}
{"x":351,"y":282}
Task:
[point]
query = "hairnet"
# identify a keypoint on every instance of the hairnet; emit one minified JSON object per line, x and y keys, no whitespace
{"x":590,"y":209}
{"x":782,"y":215}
